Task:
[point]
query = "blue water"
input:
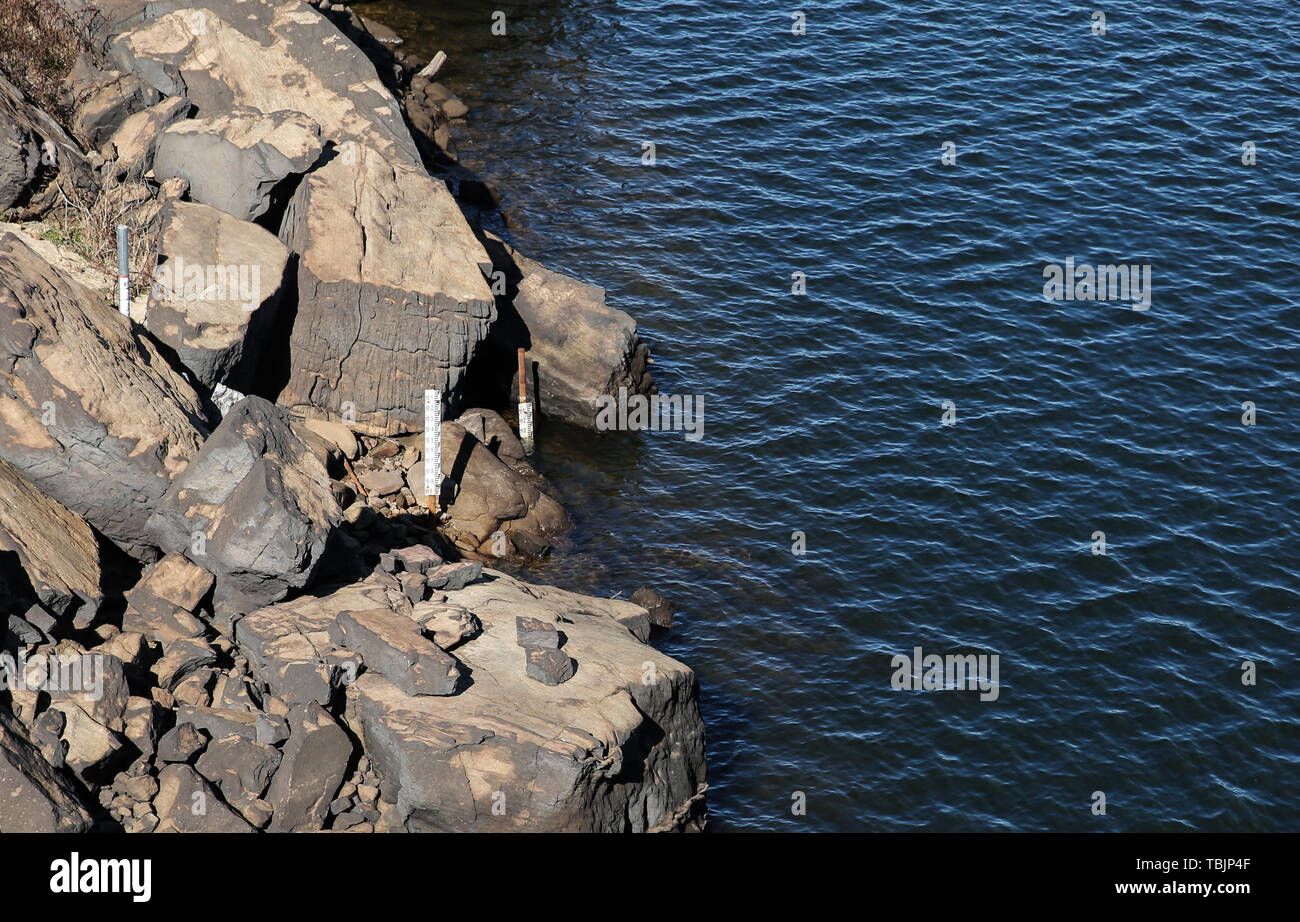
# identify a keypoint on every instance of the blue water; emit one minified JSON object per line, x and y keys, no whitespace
{"x":822,"y":154}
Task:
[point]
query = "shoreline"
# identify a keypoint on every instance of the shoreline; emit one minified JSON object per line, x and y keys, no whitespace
{"x":275,"y":584}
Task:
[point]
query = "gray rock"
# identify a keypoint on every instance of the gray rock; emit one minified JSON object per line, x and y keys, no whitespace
{"x":104,"y":100}
{"x":187,"y":802}
{"x":239,"y":767}
{"x":382,"y":482}
{"x":103,"y":693}
{"x":181,"y":743}
{"x":130,"y":150}
{"x":659,"y":609}
{"x":315,"y":761}
{"x":392,"y":645}
{"x":20,"y":160}
{"x":448,"y":625}
{"x":619,"y":748}
{"x":530,"y":632}
{"x":181,"y":657}
{"x":87,"y":401}
{"x":34,"y":796}
{"x":289,"y":647}
{"x":417,"y":558}
{"x":29,"y":135}
{"x":219,"y":723}
{"x":261,"y":499}
{"x":389,"y":272}
{"x":454,"y":576}
{"x":162,"y":603}
{"x":47,"y":736}
{"x":413,"y":586}
{"x":234,"y":161}
{"x":489,"y":495}
{"x":550,"y":667}
{"x":581,"y":348}
{"x":216,"y":291}
{"x":142,"y":722}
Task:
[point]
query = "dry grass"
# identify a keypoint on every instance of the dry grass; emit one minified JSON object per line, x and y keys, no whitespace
{"x":89,"y":228}
{"x":39,"y":43}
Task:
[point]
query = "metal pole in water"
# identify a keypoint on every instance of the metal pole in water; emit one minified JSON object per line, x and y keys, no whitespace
{"x":123,"y":273}
{"x":525,"y":407}
{"x":433,"y":448}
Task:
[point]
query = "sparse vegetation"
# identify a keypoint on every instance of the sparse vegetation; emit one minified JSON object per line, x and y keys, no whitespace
{"x":90,"y":230}
{"x":39,"y":43}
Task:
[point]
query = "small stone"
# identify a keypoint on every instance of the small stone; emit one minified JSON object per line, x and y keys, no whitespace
{"x":347,"y":821}
{"x":531,"y":632}
{"x":181,"y":743}
{"x":382,"y":483}
{"x":413,"y":586}
{"x":368,"y":793}
{"x":550,"y":667}
{"x":144,"y":824}
{"x":417,"y":558}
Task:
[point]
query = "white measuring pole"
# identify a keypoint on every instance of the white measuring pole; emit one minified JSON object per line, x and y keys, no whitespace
{"x":123,"y":273}
{"x":525,"y":407}
{"x":433,"y":447}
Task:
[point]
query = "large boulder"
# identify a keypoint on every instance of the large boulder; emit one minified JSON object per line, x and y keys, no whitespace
{"x":33,"y":148}
{"x":235,"y":161}
{"x":619,"y":746}
{"x":57,"y":549}
{"x":20,"y":158}
{"x":483,"y":495}
{"x":582,"y":349}
{"x":216,"y":290}
{"x":261,"y":501}
{"x":34,"y":796}
{"x":392,"y":298}
{"x":90,"y":411}
{"x":579,"y":348}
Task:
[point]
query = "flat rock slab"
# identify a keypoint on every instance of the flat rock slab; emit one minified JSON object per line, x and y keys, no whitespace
{"x":417,"y":558}
{"x":315,"y":760}
{"x":392,"y":645}
{"x":289,"y":646}
{"x":618,"y":747}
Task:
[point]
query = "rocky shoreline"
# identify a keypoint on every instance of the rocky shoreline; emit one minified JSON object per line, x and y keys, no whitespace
{"x":228,"y":607}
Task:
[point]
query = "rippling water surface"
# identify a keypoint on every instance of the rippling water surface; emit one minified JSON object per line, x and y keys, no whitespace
{"x":821,"y":154}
